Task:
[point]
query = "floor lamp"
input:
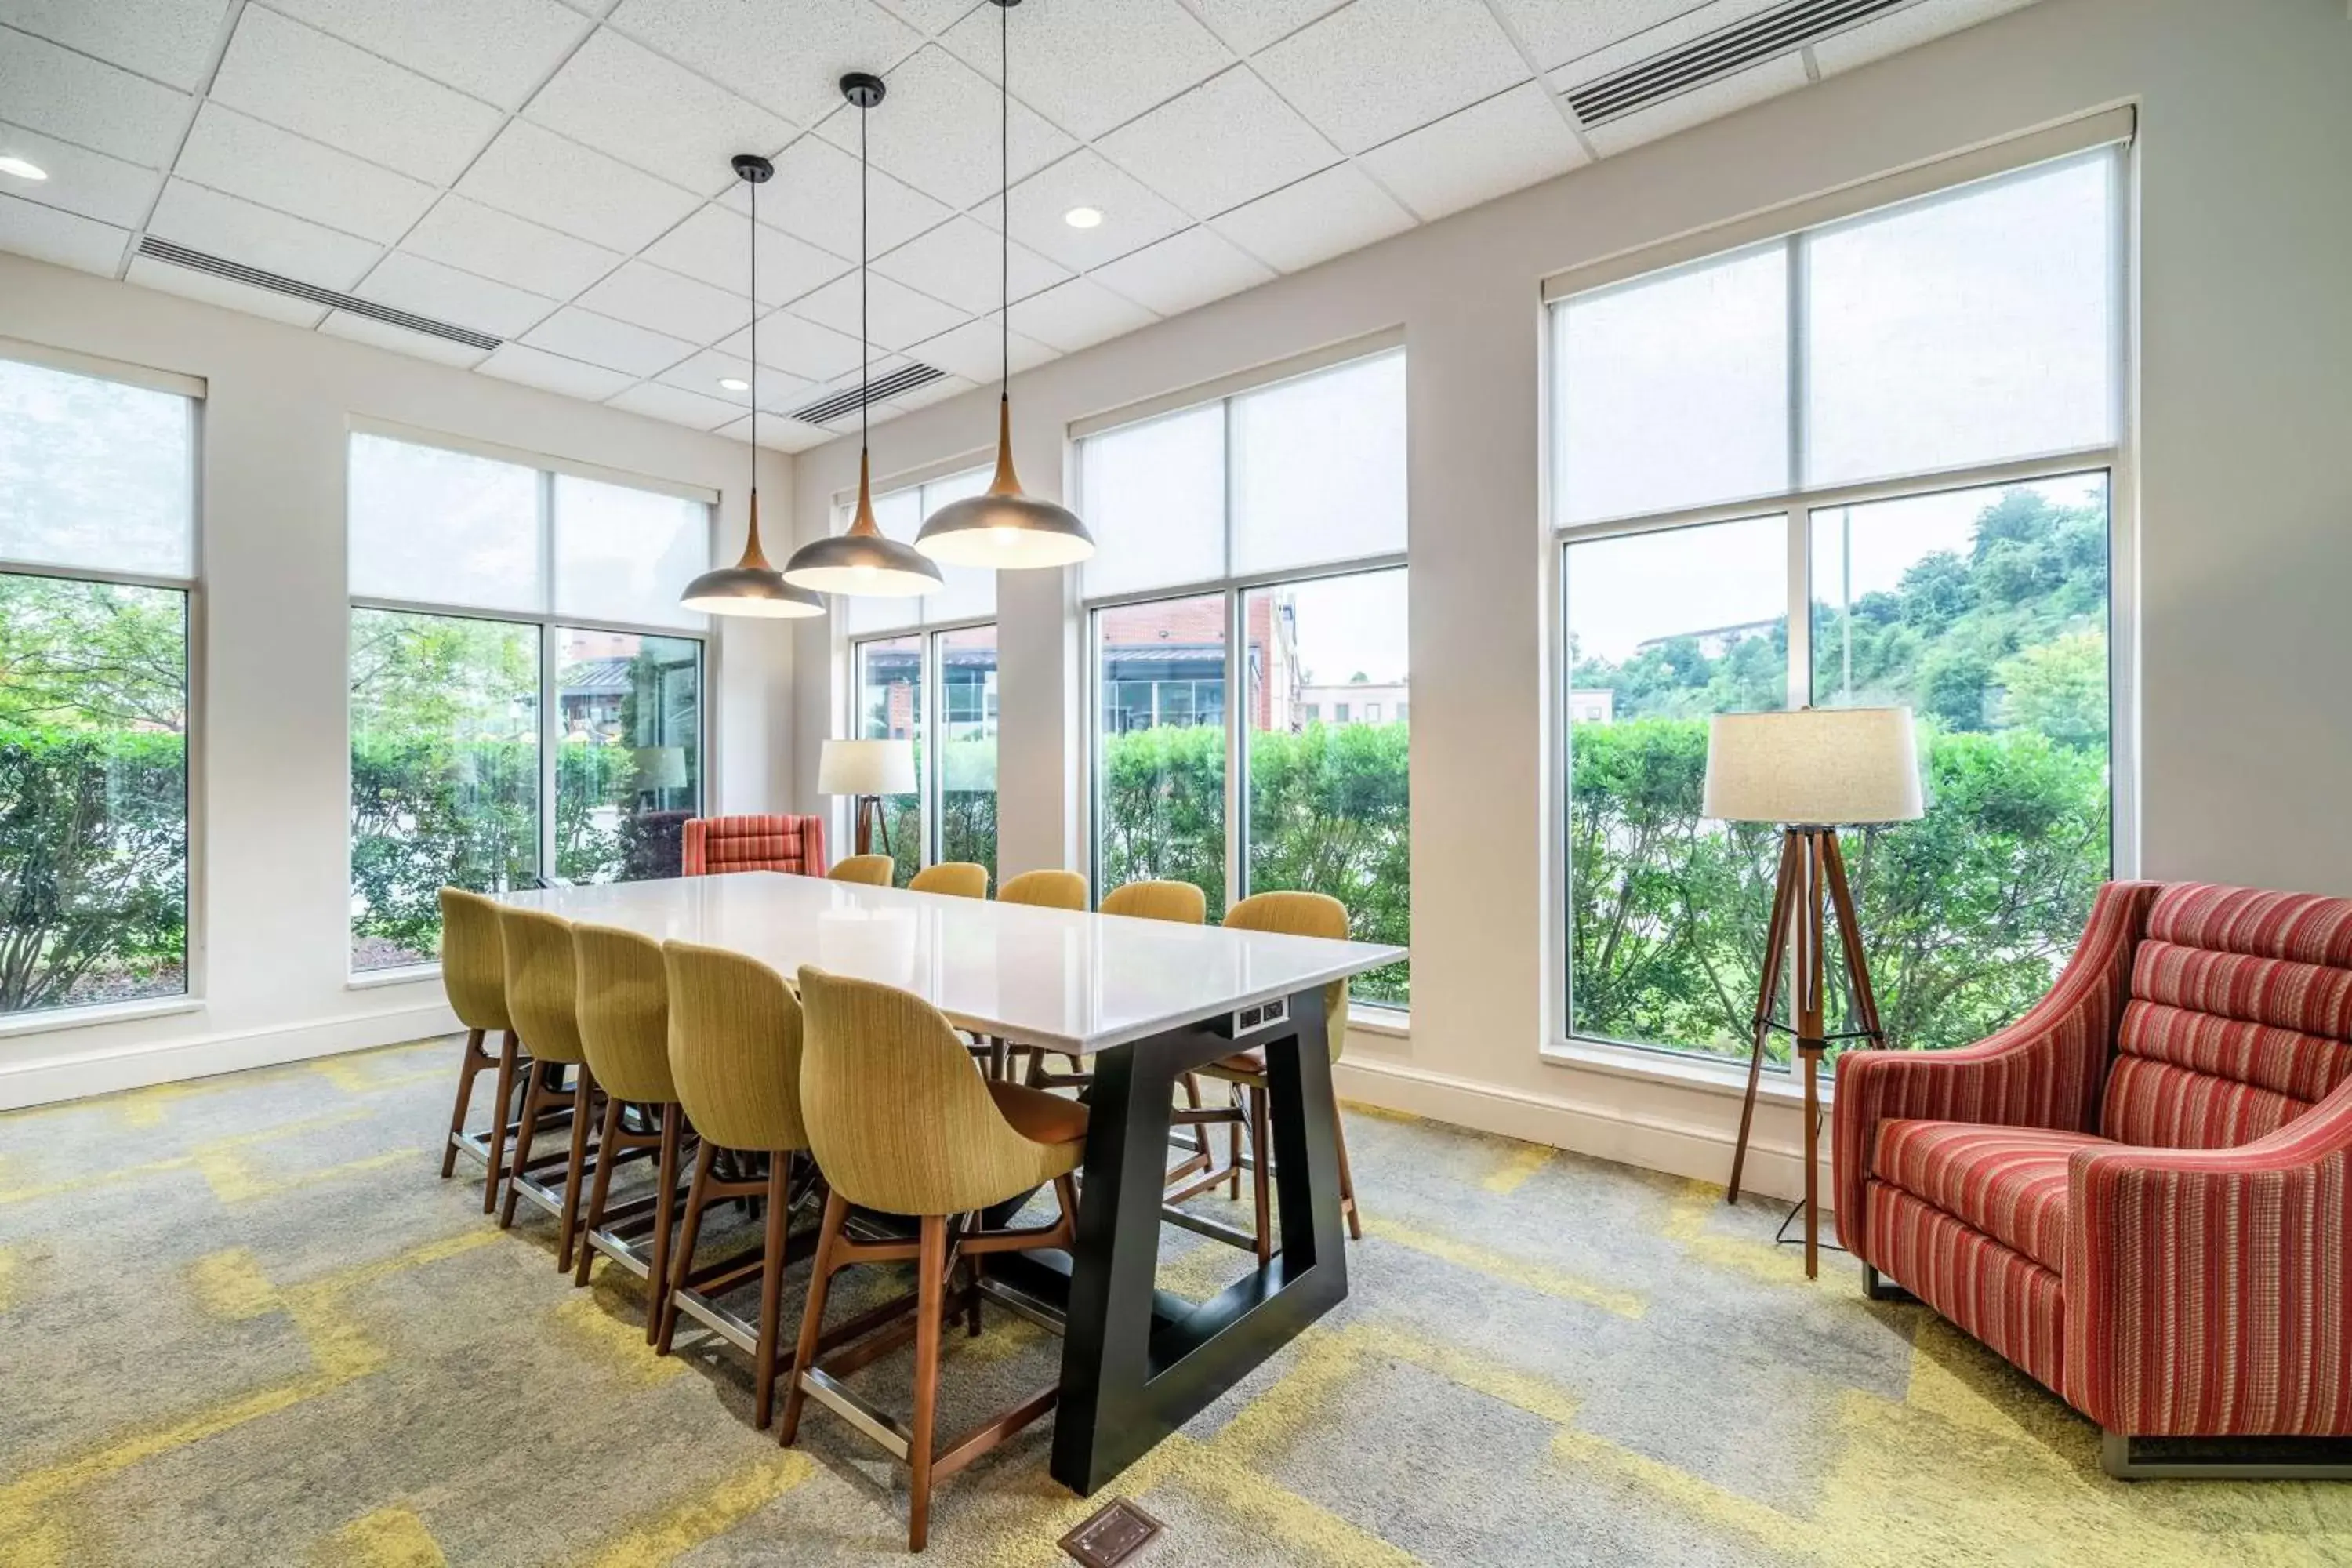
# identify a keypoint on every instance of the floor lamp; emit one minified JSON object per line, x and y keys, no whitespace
{"x":867,"y":769}
{"x":1811,"y":772}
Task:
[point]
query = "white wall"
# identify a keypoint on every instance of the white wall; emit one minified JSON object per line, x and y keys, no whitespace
{"x":272,"y":898}
{"x":2244,"y":501}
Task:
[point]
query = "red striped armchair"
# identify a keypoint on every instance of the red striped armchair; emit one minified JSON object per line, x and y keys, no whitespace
{"x":715,"y":844}
{"x":2138,"y":1192}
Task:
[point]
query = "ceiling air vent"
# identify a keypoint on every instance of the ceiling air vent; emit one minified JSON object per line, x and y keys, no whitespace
{"x":906,"y":378}
{"x":238,"y":272}
{"x":1760,"y":38}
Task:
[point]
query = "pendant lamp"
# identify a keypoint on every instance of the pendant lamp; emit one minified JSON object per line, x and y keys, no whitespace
{"x":752,"y":586}
{"x":862,"y":561}
{"x":1004,"y":528}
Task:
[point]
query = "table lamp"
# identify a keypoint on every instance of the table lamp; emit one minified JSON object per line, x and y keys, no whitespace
{"x":1810,"y":770}
{"x":867,"y":769}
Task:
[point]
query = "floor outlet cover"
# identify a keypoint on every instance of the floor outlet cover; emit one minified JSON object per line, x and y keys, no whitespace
{"x":1120,"y":1534}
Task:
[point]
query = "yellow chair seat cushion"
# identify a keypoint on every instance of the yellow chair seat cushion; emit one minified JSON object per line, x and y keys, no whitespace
{"x":1040,"y":1117}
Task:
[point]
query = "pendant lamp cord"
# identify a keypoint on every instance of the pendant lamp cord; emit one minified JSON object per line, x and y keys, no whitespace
{"x":1004,"y":192}
{"x":751,"y":294}
{"x":864,"y":349}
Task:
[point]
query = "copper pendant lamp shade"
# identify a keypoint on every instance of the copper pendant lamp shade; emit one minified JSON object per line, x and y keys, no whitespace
{"x":752,"y":586}
{"x":862,"y":561}
{"x":1004,"y":528}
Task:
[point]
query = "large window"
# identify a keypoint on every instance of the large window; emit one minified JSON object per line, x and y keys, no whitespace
{"x":1248,"y":614}
{"x":526,"y":694}
{"x":1865,"y":464}
{"x":97,"y":562}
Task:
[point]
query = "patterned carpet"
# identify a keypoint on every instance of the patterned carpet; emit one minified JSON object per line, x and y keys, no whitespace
{"x":241,"y":1323}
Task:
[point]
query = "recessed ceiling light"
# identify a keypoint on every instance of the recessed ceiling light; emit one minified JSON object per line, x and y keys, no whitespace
{"x":1083,"y":218}
{"x":23,"y":168}
{"x":734,"y":383}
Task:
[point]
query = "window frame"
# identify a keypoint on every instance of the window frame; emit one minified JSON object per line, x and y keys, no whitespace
{"x":193,"y":996}
{"x":1796,"y":507}
{"x":932,"y":699}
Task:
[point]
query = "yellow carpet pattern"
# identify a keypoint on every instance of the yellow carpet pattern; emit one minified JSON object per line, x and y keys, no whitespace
{"x":242,"y":1321}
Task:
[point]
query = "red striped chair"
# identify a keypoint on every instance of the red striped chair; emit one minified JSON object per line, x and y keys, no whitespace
{"x":715,"y":844}
{"x":2138,"y":1192}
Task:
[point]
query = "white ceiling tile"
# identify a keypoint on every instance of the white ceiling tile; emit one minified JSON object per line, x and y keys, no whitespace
{"x":778,"y":390}
{"x":814,"y":197}
{"x":224,"y":225}
{"x":582,"y":335}
{"x":84,"y":101}
{"x":713,"y":246}
{"x":493,"y":49}
{"x":1132,"y":216}
{"x":1712,"y":101}
{"x":400,"y":339}
{"x":786,"y":59}
{"x":227,"y":151}
{"x":170,"y":41}
{"x":929,"y":18}
{"x":1076,"y":315}
{"x":624,"y":99}
{"x":80,"y":181}
{"x":211,"y":290}
{"x":1512,"y":140}
{"x":899,"y":316}
{"x":1316,"y":219}
{"x":553,"y":373}
{"x":669,"y":403}
{"x":1250,"y":25}
{"x":960,"y":261}
{"x":932,"y":392}
{"x":1556,"y":34}
{"x":1647,"y":29}
{"x":69,"y":239}
{"x":537,"y":175}
{"x":1088,"y":67}
{"x":681,"y":307}
{"x":1906,"y":28}
{"x":780,"y":434}
{"x":298,"y":77}
{"x":938,"y":129}
{"x":1379,"y":69}
{"x":492,"y":244}
{"x":974,"y":350}
{"x":1183,"y":271}
{"x":441,"y":293}
{"x":1222,"y":143}
{"x":798,"y":348}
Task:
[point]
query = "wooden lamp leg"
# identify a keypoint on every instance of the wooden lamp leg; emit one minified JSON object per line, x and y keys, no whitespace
{"x":1775,"y":953}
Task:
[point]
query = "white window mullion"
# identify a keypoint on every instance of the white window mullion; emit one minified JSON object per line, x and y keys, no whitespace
{"x":551,"y":721}
{"x":1236,"y":747}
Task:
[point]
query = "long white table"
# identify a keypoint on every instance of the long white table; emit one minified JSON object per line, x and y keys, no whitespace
{"x":1148,"y":1001}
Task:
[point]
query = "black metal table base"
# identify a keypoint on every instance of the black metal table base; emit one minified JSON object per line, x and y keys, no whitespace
{"x":1137,"y":1361}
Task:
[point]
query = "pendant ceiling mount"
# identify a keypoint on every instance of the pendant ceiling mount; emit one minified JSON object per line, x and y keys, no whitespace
{"x":1005,"y":528}
{"x":752,"y":586}
{"x":862,"y":561}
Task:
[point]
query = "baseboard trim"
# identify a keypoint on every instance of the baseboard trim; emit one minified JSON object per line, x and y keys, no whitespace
{"x":45,"y":1080}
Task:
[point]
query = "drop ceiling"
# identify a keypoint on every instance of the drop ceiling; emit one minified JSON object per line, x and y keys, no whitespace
{"x":553,"y":173}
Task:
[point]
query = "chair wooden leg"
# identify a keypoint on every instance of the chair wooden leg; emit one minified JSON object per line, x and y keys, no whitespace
{"x":600,"y":1189}
{"x":665,"y":1211}
{"x":534,"y":1097}
{"x":931,"y":1267}
{"x":681,"y":1266}
{"x":584,"y":1092}
{"x":1261,"y":1138}
{"x":772,"y":1291}
{"x":837,"y":1215}
{"x":1234,"y":1145}
{"x":474,"y":1063}
{"x":1347,"y":1177}
{"x":510,"y":1062}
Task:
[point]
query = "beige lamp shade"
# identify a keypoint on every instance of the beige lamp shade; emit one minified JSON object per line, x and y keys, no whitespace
{"x":1817,"y":766}
{"x":867,"y":767}
{"x":661,"y":767}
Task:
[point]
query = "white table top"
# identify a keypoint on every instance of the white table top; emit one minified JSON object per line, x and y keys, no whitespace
{"x":1058,"y":978}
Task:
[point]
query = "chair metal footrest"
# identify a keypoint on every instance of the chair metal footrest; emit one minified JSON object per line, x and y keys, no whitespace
{"x":1232,"y":1235}
{"x":2251,"y":1459}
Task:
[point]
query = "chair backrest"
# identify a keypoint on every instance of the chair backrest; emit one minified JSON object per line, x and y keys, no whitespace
{"x":2239,"y":1016}
{"x":873,"y":871}
{"x":896,"y":1118}
{"x":1181,"y":902}
{"x":472,"y":960}
{"x":717,"y":844}
{"x":1049,"y":890}
{"x":1302,"y":914}
{"x":735,"y":1048}
{"x":952,"y":878}
{"x":623,"y":1013}
{"x":543,"y":984}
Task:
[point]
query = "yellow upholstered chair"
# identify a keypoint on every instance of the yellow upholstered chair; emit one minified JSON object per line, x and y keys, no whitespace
{"x":473,"y":974}
{"x":900,"y":1123}
{"x":542,"y":997}
{"x":1292,"y":914}
{"x":735,"y":1058}
{"x":1046,"y":890}
{"x":952,"y":878}
{"x":1179,"y":901}
{"x":623,"y":1013}
{"x":873,"y":870}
